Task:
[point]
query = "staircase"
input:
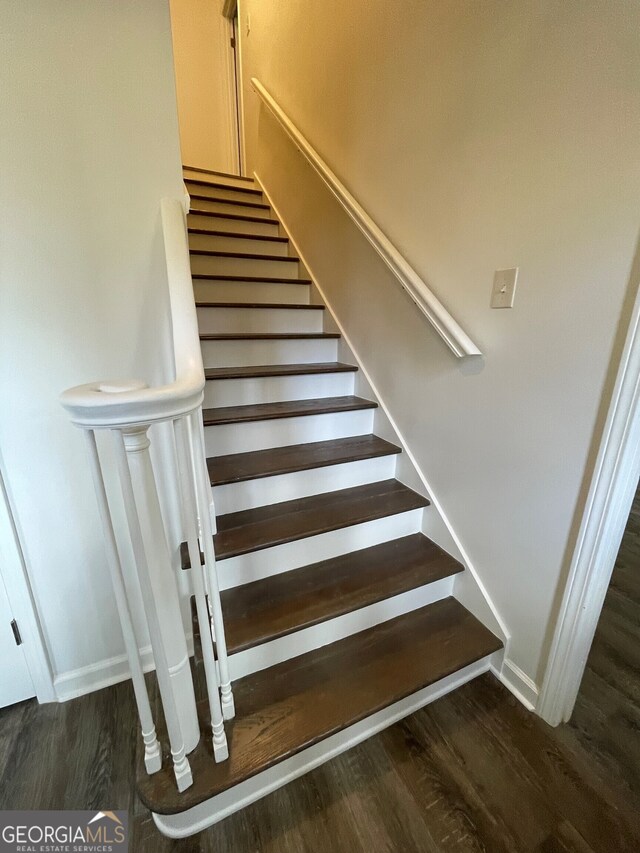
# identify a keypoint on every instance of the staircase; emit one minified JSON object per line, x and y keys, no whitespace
{"x":339,"y":612}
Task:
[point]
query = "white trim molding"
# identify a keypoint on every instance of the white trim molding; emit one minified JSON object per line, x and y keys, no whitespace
{"x":103,"y":673}
{"x":517,"y":682}
{"x":613,"y":485}
{"x":445,"y":325}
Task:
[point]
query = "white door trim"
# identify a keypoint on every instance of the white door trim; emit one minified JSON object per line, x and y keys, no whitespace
{"x":240,"y":90}
{"x":231,"y":98}
{"x":18,"y":586}
{"x":611,"y":492}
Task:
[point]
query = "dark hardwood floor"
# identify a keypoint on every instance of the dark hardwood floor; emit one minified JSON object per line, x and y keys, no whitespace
{"x":472,"y":772}
{"x":606,"y":720}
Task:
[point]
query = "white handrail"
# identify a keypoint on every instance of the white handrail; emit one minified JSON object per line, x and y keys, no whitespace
{"x":449,"y":330}
{"x":127,"y":408}
{"x":100,"y":405}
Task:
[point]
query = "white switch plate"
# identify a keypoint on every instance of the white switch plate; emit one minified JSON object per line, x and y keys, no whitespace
{"x":504,"y":288}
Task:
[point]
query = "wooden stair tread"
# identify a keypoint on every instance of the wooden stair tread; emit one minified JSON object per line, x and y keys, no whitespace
{"x":219,"y":185}
{"x":286,"y":708}
{"x":239,"y":235}
{"x":214,"y":172}
{"x":237,"y":201}
{"x":254,"y":529}
{"x":287,"y":409}
{"x":255,"y":464}
{"x":258,"y":612}
{"x":253,"y":371}
{"x":244,"y":217}
{"x":270,"y":336}
{"x":256,"y":279}
{"x":269,"y":305}
{"x":252,"y":256}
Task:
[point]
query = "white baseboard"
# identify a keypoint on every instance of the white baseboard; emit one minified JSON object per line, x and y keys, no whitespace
{"x":518,"y":682}
{"x":104,"y":673}
{"x":216,"y":808}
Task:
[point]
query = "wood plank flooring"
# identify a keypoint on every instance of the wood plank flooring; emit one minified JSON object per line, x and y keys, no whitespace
{"x":472,"y":772}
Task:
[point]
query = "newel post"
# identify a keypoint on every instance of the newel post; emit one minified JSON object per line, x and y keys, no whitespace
{"x":160,"y":595}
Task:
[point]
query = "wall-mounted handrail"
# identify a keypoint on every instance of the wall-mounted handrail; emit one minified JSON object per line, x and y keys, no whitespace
{"x":126,"y":409}
{"x":449,"y":330}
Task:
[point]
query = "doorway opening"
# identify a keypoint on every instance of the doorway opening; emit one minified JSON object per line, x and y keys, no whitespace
{"x":208,"y":84}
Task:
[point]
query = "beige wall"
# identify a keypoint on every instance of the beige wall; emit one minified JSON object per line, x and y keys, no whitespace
{"x":478,"y":136}
{"x":204,"y":84}
{"x":89,"y":146}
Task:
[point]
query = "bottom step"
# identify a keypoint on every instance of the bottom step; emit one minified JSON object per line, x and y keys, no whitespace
{"x":288,"y":708}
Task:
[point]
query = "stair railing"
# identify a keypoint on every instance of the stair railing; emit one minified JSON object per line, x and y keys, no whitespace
{"x":127,"y":409}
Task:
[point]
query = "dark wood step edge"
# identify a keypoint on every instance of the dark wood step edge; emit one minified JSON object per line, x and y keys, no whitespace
{"x":271,"y":336}
{"x":214,"y":172}
{"x":218,"y":185}
{"x":262,"y":371}
{"x":251,"y":256}
{"x":242,"y":217}
{"x":385,"y":448}
{"x":260,"y":411}
{"x":255,"y":279}
{"x":366,"y":591}
{"x":270,"y":305}
{"x":237,"y":201}
{"x":418,"y":502}
{"x":239,"y":235}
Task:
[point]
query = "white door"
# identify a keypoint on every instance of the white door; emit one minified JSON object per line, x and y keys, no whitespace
{"x":15,"y":681}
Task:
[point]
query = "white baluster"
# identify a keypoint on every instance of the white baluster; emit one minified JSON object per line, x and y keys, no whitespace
{"x":186,"y":476}
{"x":150,"y":551}
{"x":203,"y":491}
{"x":152,"y":752}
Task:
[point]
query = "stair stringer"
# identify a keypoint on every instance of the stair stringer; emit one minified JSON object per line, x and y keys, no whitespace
{"x":468,"y":587}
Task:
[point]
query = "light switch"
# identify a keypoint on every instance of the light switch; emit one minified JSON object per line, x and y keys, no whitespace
{"x":504,"y":288}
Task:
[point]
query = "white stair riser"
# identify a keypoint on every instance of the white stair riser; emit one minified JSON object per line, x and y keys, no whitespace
{"x":234,"y":497}
{"x":238,"y":244}
{"x":233,"y":193}
{"x":332,"y":630}
{"x":276,"y":389}
{"x":229,"y":180}
{"x":245,"y":353}
{"x":239,"y":796}
{"x":233,"y":207}
{"x":267,"y":320}
{"x":247,"y":568}
{"x":207,"y":264}
{"x":249,"y":291}
{"x":259,"y":435}
{"x":217,"y":223}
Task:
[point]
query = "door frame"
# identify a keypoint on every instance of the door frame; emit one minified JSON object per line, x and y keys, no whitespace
{"x":231,"y":10}
{"x":16,"y":580}
{"x":613,"y":484}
